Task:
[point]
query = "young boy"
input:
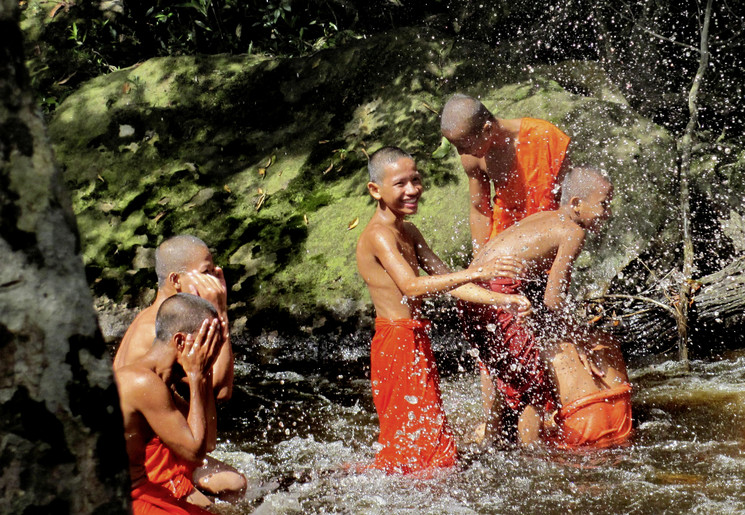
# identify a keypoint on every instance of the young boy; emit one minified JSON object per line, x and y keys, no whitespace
{"x":549,"y":240}
{"x":183,"y":263}
{"x":188,"y":339}
{"x":414,"y":432}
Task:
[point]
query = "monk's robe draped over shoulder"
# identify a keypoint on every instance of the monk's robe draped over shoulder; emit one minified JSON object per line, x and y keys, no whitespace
{"x":531,"y":185}
{"x":414,"y":431}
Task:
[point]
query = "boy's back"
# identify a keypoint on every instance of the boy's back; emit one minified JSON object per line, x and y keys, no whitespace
{"x":535,"y":241}
{"x":549,"y":240}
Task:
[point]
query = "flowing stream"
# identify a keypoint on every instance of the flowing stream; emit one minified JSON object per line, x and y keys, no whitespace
{"x":296,"y":422}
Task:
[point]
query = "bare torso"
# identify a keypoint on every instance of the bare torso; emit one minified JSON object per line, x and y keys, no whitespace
{"x":386,"y":296}
{"x":137,"y":432}
{"x":534,"y":241}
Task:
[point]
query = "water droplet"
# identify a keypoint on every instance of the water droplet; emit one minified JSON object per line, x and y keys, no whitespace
{"x":411,"y":399}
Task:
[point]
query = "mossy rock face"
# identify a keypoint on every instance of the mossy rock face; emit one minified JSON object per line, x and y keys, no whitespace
{"x":265,"y":159}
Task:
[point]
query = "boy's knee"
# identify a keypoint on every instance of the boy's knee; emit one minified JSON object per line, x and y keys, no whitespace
{"x":224,"y":481}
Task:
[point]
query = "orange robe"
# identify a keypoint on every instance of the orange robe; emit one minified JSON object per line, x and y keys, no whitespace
{"x":414,"y":431}
{"x":601,"y":419}
{"x":150,"y":499}
{"x":532,"y":181}
{"x":166,"y":469}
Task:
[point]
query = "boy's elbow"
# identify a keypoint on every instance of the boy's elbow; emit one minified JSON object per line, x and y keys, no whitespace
{"x":552,"y":303}
{"x":224,"y":393}
{"x":411,"y":290}
{"x":195,"y":455}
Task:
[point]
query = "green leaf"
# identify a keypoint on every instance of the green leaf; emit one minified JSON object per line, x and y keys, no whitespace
{"x":443,"y":150}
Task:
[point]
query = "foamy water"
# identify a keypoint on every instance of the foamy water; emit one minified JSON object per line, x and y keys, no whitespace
{"x":292,"y":432}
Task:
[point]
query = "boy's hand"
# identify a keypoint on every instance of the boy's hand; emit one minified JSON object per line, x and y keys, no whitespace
{"x":199,"y":351}
{"x":516,"y":305}
{"x":211,"y":288}
{"x":499,"y":266}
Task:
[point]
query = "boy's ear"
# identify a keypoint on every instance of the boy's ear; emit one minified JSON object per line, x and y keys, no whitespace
{"x":178,"y":339}
{"x":574,"y":203}
{"x":374,"y":190}
{"x":174,"y":278}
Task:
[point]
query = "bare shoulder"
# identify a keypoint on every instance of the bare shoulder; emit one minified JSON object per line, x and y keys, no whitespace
{"x":572,"y":231}
{"x":135,"y":382}
{"x":412,"y":231}
{"x":377,"y":235}
{"x":138,"y":339}
{"x":471,"y":165}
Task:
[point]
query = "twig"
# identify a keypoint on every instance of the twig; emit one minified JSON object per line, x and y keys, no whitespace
{"x":657,"y":303}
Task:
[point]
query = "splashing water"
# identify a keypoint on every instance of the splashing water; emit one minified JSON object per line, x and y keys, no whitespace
{"x":293,"y":434}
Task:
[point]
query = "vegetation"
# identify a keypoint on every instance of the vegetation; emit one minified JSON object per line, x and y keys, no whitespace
{"x":649,"y":48}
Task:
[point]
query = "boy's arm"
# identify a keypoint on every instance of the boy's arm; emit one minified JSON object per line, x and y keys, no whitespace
{"x":516,"y":304}
{"x":214,"y":289}
{"x":559,"y":278}
{"x":480,"y":209}
{"x":407,"y":280}
{"x":503,"y":266}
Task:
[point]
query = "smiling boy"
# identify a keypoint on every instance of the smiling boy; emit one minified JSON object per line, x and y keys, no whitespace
{"x":414,"y":432}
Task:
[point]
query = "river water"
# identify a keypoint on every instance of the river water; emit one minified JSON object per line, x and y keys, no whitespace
{"x":302,"y":411}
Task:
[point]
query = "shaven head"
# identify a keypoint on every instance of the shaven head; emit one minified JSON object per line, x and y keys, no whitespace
{"x":463,"y":116}
{"x":581,"y":182}
{"x":178,"y":255}
{"x":181,"y":313}
{"x":382,"y":158}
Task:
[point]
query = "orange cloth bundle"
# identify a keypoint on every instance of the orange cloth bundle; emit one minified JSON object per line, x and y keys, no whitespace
{"x":166,"y":469}
{"x":414,"y":431}
{"x":149,"y":498}
{"x":531,"y":186}
{"x":601,"y":419}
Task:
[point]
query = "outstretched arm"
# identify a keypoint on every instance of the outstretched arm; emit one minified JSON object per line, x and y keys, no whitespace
{"x":407,"y":278}
{"x":517,"y":305}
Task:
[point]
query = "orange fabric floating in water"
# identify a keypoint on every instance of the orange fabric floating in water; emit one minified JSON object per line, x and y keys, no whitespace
{"x":531,"y":185}
{"x":150,"y":499}
{"x":601,"y":419}
{"x":414,"y":431}
{"x":166,"y":469}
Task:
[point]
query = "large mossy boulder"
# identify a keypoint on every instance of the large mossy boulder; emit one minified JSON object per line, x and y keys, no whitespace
{"x":265,"y":159}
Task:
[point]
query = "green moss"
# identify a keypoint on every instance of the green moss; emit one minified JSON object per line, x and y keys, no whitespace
{"x":204,"y":128}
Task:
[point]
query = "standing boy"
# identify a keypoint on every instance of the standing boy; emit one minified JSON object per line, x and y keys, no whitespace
{"x":414,"y":432}
{"x":550,"y":240}
{"x":523,"y":159}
